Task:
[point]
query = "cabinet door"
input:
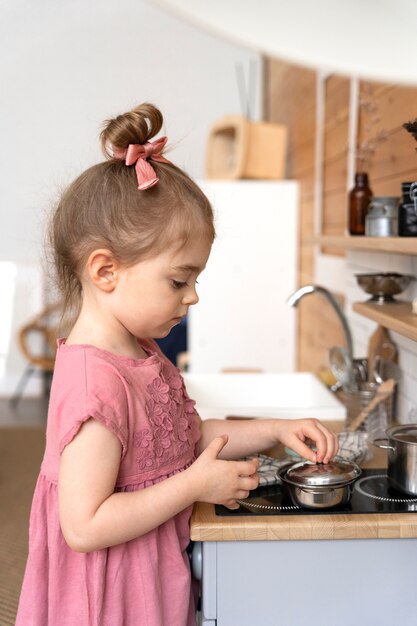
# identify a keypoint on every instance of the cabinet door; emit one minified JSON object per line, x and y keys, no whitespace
{"x":316,"y":583}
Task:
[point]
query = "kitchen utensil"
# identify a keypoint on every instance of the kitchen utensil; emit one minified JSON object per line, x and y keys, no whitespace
{"x":317,"y":486}
{"x":383,"y":392}
{"x":383,"y":286}
{"x":384,"y":369}
{"x":380,"y":345}
{"x":342,"y":367}
{"x":360,"y":367}
{"x":401,"y":443}
{"x":376,"y":370}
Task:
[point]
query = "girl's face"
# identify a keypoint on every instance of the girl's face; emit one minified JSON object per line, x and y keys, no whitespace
{"x":154,"y":295}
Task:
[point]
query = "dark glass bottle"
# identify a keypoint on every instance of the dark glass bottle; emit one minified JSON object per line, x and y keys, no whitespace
{"x":407,"y":216}
{"x":359,"y":199}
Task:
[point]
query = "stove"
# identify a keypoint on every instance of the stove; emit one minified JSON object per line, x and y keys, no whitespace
{"x":371,"y":493}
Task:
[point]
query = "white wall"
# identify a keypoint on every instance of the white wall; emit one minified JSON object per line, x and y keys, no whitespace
{"x":67,"y":66}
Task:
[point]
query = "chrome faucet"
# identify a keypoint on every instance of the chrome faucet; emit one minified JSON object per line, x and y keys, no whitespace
{"x":294,"y":299}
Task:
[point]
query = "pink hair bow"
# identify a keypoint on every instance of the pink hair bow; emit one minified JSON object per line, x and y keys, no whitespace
{"x":140,"y":153}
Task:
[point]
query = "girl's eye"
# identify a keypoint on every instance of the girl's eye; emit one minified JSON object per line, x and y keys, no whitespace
{"x":178,"y":284}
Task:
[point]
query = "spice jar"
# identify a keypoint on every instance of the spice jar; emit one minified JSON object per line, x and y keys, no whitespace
{"x":407,"y":211}
{"x":359,"y":198}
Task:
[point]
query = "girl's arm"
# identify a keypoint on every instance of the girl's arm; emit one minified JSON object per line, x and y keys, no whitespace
{"x":254,"y":435}
{"x":93,"y":516}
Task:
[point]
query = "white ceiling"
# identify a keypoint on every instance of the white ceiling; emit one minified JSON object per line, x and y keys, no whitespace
{"x":374,"y":39}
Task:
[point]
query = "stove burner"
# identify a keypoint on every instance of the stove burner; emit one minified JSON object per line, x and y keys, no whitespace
{"x":268,"y":507}
{"x":379,"y":484}
{"x":372,"y":493}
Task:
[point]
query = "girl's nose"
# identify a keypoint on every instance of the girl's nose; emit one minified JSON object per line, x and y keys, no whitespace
{"x":191,"y":297}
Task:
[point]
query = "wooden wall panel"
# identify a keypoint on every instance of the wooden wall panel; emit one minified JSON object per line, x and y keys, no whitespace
{"x":334,"y":183}
{"x":291,"y":100}
{"x":335,"y":151}
{"x":394,"y":160}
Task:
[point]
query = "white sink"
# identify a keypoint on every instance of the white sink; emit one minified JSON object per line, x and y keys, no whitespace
{"x":293,"y":395}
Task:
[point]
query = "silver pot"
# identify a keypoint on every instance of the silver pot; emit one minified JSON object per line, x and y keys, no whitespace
{"x":401,"y":443}
{"x":319,"y":486}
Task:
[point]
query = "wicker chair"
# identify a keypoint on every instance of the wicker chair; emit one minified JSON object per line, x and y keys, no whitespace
{"x":44,"y":325}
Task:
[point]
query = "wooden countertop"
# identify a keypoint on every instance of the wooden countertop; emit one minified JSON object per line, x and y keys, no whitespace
{"x":207,"y":526}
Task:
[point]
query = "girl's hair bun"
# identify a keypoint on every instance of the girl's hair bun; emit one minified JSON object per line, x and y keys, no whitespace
{"x":136,"y":126}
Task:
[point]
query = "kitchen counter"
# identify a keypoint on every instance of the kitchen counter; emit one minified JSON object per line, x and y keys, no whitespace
{"x":271,"y":569}
{"x":207,"y":526}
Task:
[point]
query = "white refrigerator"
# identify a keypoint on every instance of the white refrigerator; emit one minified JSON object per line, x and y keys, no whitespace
{"x":242,"y":320}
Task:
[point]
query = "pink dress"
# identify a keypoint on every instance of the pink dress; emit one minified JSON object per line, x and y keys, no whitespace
{"x":146,"y":581}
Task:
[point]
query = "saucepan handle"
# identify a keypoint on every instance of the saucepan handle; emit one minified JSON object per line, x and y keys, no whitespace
{"x":382,"y":443}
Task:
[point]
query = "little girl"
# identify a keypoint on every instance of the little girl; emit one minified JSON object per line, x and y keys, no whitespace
{"x":126,"y":453}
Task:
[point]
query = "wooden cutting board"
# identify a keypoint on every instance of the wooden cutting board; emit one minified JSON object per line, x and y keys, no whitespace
{"x":381,"y":344}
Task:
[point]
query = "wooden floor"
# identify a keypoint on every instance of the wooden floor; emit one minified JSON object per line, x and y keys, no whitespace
{"x":29,"y":412}
{"x":21,"y":449}
{"x":22,"y":440}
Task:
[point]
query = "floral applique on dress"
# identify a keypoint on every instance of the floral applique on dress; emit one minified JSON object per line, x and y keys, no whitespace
{"x":172,"y":424}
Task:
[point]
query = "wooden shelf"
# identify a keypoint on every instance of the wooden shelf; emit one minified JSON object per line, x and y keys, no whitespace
{"x":396,"y":316}
{"x":398,"y":245}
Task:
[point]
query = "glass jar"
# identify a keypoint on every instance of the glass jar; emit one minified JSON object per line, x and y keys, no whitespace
{"x":359,"y":199}
{"x":407,"y":212}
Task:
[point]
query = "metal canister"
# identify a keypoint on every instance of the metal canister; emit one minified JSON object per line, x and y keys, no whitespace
{"x":382,"y":217}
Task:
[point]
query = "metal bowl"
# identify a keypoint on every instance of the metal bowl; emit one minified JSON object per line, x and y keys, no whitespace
{"x":383,"y":286}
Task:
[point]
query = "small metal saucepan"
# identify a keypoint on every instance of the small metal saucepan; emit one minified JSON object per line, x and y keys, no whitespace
{"x":319,"y":486}
{"x":401,"y":443}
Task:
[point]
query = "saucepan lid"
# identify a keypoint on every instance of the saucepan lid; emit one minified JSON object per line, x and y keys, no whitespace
{"x":308,"y":474}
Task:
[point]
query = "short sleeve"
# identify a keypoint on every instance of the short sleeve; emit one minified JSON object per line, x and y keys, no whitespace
{"x":96,"y":390}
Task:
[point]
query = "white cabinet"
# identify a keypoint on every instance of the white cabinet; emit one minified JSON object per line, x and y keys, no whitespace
{"x":242,"y":319}
{"x":319,"y":583}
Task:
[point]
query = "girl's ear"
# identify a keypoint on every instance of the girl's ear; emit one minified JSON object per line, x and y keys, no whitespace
{"x":102,"y":270}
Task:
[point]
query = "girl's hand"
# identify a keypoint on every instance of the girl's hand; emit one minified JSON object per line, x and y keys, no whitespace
{"x":222,"y":482}
{"x":295,"y":433}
